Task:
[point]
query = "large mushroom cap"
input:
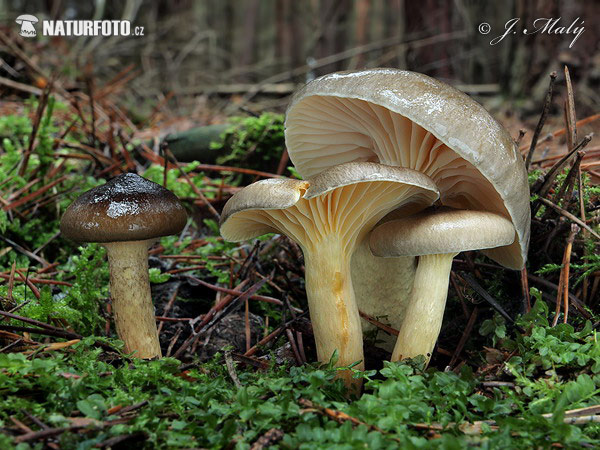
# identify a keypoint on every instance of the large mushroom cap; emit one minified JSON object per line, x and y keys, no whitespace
{"x":408,"y":119}
{"x":442,"y":231}
{"x":127,"y":208}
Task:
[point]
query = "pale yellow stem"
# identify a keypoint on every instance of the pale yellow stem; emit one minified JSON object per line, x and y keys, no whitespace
{"x":131,"y":299}
{"x":333,"y":311}
{"x":382,"y":287}
{"x":425,"y":311}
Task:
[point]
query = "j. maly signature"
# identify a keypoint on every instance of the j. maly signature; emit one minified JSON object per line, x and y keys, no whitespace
{"x":543,"y":26}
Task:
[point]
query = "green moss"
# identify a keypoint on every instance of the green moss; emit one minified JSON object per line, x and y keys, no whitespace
{"x":553,"y":370}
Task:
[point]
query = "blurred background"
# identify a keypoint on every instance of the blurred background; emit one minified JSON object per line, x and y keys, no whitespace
{"x":201,"y":61}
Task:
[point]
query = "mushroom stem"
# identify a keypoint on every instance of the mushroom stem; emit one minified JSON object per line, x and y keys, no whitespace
{"x":131,"y":298}
{"x":382,"y":287}
{"x":425,"y":311}
{"x":333,"y":311}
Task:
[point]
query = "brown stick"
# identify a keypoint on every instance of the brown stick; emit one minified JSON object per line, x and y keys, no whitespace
{"x":247,"y":324}
{"x":34,"y":130}
{"x":378,"y":324}
{"x":262,"y":298}
{"x":292,"y":342}
{"x":265,"y":340}
{"x":569,"y":216}
{"x":525,"y":289}
{"x":554,"y":171}
{"x":213,"y":312}
{"x":197,"y":191}
{"x":574,"y":230}
{"x":563,"y":285}
{"x":571,"y":119}
{"x":566,"y":189}
{"x":464,"y":337}
{"x":562,"y":131}
{"x":540,"y":124}
{"x":283,"y":162}
{"x":39,"y":280}
{"x":574,"y":300}
{"x":585,"y":284}
{"x":168,"y":307}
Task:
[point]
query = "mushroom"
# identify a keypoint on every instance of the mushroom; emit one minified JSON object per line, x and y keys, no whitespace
{"x":435,"y":236}
{"x":26,"y":21}
{"x":127,"y":215}
{"x":327,"y":216}
{"x":407,"y":119}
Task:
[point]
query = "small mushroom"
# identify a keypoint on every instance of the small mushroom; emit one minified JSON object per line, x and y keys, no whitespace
{"x":435,"y":236}
{"x":327,"y":216}
{"x":127,"y":215}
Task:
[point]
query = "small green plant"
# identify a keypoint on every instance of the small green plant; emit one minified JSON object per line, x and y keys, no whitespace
{"x":560,"y":349}
{"x":179,"y":185}
{"x":590,"y":265}
{"x":89,"y":289}
{"x":77,"y":305}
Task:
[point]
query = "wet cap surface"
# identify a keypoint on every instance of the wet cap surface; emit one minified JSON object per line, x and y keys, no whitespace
{"x":127,"y":208}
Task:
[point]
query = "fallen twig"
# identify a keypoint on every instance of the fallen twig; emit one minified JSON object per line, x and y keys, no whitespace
{"x":488,"y":298}
{"x":464,"y":337}
{"x":563,"y":284}
{"x":262,"y":298}
{"x":545,"y":186}
{"x":209,"y":319}
{"x":540,"y":124}
{"x":569,"y":216}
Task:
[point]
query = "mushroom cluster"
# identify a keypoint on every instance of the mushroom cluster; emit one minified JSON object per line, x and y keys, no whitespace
{"x":327,"y":216}
{"x":379,"y":119}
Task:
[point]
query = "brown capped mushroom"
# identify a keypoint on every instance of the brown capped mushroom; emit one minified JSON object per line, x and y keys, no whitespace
{"x":435,"y":236}
{"x":407,"y":119}
{"x":327,"y":216}
{"x":127,"y":215}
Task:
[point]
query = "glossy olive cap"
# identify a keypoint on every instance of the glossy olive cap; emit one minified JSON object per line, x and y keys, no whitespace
{"x":126,"y":208}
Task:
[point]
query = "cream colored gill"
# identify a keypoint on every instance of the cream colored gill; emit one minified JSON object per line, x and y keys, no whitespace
{"x":348,"y":212}
{"x":334,"y":130}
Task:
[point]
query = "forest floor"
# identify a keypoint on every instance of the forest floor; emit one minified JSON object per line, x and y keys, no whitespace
{"x":519,"y":371}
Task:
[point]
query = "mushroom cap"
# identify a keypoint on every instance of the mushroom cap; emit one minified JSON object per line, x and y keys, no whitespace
{"x":407,"y":119}
{"x":126,"y":208}
{"x":26,"y":18}
{"x":441,"y":231}
{"x":272,"y":193}
{"x":362,"y":172}
{"x":239,"y":221}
